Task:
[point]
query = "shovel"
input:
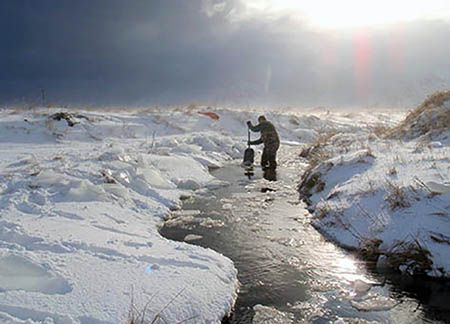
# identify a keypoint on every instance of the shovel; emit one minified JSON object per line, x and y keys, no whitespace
{"x":249,"y":154}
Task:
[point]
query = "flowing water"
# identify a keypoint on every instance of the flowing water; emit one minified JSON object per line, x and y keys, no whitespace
{"x":285,"y":264}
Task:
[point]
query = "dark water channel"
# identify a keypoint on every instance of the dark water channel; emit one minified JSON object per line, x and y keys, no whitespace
{"x":284,"y":263}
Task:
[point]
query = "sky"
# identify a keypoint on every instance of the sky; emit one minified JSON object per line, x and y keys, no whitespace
{"x":309,"y":53}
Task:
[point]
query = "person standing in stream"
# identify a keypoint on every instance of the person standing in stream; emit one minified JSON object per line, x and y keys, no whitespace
{"x":270,"y":139}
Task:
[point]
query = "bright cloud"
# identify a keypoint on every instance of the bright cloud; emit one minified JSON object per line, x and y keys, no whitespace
{"x":353,"y":13}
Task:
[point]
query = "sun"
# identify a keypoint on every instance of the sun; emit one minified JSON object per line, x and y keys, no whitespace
{"x":355,"y":13}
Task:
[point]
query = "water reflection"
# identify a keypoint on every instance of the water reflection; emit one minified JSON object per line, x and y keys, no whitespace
{"x":270,"y":174}
{"x":249,"y":172}
{"x":284,"y":263}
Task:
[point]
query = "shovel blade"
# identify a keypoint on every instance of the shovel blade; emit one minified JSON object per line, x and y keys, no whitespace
{"x":249,"y":156}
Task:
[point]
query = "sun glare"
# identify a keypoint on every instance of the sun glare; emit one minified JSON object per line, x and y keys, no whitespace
{"x":355,"y":13}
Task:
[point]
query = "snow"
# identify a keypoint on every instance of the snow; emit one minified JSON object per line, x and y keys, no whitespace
{"x":81,"y":205}
{"x":18,"y":273}
{"x":375,"y":303}
{"x":447,"y":104}
{"x":80,"y":210}
{"x":192,"y":237}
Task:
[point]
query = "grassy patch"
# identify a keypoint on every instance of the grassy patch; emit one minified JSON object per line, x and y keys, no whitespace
{"x":144,"y":316}
{"x":397,"y":196}
{"x":310,"y":181}
{"x":410,"y":257}
{"x":317,"y":151}
{"x":322,"y":210}
{"x":429,"y":117}
{"x":370,"y":249}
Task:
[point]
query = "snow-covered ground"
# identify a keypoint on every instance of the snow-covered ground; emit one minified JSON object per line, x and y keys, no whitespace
{"x":388,"y":197}
{"x":80,"y":208}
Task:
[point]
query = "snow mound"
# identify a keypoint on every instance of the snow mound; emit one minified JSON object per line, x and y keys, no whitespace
{"x":389,"y":200}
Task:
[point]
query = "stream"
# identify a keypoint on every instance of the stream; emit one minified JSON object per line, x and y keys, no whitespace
{"x":285,"y":265}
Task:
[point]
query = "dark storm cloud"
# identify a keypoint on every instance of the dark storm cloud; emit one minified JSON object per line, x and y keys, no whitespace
{"x":125,"y":46}
{"x":169,"y":51}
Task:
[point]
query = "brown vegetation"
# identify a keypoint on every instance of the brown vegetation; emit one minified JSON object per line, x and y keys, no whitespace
{"x":430,"y":117}
{"x":412,"y":255}
{"x":397,"y":196}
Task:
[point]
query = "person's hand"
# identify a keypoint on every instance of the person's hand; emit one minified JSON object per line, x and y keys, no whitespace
{"x":249,"y":123}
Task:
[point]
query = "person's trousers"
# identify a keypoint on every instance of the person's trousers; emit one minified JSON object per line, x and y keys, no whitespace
{"x":269,"y":155}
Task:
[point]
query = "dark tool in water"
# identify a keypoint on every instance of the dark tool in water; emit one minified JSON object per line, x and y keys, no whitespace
{"x":249,"y":154}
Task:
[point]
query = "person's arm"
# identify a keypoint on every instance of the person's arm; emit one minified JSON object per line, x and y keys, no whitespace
{"x":255,"y":128}
{"x":257,"y":142}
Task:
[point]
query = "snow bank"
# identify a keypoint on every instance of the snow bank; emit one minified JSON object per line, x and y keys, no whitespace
{"x":81,"y":206}
{"x":386,"y":198}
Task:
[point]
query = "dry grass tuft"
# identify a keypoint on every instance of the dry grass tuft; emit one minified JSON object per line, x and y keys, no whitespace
{"x":322,"y":210}
{"x":370,"y":249}
{"x":392,"y":171}
{"x":317,"y":152}
{"x":311,"y":182}
{"x":380,"y":130}
{"x":412,"y":256}
{"x":142,"y":316}
{"x":397,"y":196}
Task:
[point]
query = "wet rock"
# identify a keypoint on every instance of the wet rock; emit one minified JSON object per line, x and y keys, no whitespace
{"x":69,"y":118}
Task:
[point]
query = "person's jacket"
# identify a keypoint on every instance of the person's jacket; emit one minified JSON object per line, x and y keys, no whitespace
{"x":269,"y":135}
